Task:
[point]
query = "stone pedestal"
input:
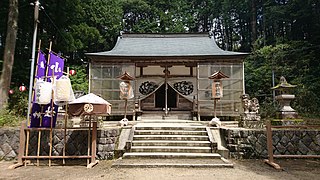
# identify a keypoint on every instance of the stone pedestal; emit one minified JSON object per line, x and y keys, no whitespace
{"x":286,"y":111}
{"x":251,"y":120}
{"x":251,"y":116}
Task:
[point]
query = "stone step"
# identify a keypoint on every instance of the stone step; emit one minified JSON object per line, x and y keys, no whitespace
{"x":171,"y":137}
{"x":177,"y":115}
{"x":178,"y":163}
{"x":186,"y":149}
{"x":169,"y":132}
{"x":163,"y":121}
{"x":175,"y":155}
{"x":170,"y":127}
{"x":171,"y":143}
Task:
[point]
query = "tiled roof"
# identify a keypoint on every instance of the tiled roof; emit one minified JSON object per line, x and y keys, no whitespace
{"x":167,"y":45}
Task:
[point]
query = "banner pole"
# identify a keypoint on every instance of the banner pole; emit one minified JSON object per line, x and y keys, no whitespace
{"x":51,"y":120}
{"x":65,"y":125}
{"x":36,"y":15}
{"x":30,"y":109}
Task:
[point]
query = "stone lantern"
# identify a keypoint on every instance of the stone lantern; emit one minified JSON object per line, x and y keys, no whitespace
{"x":217,"y":92}
{"x":284,"y":97}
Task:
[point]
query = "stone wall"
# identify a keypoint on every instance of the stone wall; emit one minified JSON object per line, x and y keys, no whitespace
{"x":242,"y":143}
{"x":249,"y":143}
{"x":76,"y":142}
{"x":9,"y":143}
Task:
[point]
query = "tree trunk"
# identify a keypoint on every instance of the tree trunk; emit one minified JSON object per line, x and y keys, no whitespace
{"x":8,"y":57}
{"x":253,"y":21}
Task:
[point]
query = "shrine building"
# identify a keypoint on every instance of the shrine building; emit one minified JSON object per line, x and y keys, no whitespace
{"x":170,"y":74}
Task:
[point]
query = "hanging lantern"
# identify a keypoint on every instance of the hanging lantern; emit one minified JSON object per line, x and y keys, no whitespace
{"x":217,"y":88}
{"x":72,"y":72}
{"x":217,"y":92}
{"x":63,"y":89}
{"x":22,"y":88}
{"x":11,"y":91}
{"x":126,"y":91}
{"x":43,"y":92}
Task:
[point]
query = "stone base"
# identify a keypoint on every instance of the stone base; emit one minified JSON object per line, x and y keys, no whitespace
{"x":252,"y":124}
{"x":250,"y":116}
{"x":287,"y":115}
{"x":287,"y":122}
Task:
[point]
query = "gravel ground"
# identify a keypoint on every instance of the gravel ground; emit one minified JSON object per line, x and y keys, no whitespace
{"x":243,"y":169}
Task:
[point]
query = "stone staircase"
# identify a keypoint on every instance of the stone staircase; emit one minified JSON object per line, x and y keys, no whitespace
{"x":166,"y":143}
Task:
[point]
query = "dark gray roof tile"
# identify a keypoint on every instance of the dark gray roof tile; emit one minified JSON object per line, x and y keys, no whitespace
{"x":149,"y":45}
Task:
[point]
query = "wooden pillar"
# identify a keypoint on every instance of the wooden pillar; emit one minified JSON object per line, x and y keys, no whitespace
{"x":270,"y":161}
{"x":198,"y":87}
{"x":93,"y":145}
{"x":166,"y":90}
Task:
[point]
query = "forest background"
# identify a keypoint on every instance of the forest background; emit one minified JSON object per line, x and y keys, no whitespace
{"x":282,"y":37}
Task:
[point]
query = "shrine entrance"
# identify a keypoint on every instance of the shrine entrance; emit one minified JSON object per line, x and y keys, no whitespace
{"x":160,"y":97}
{"x":166,"y":88}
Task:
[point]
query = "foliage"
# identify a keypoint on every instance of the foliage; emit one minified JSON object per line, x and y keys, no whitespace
{"x":268,"y":108}
{"x":297,"y":61}
{"x":91,"y":25}
{"x":8,"y":118}
{"x":79,"y":81}
{"x":18,"y":102}
{"x":282,"y":35}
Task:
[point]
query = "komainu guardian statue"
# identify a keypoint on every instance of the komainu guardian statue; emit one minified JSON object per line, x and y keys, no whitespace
{"x":250,"y":108}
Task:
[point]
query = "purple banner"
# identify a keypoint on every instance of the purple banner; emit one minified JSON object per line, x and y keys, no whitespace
{"x":45,"y":112}
{"x":55,"y":66}
{"x":41,"y":66}
{"x":35,"y":115}
{"x":48,"y":112}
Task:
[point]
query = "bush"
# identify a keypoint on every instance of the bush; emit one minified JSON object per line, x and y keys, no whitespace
{"x":8,"y":118}
{"x":16,"y":110}
{"x":18,"y":103}
{"x":268,"y":108}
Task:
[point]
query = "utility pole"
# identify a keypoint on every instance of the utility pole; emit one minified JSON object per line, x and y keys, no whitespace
{"x":36,"y":15}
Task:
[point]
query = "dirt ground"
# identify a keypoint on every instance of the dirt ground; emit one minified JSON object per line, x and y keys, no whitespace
{"x":243,"y":169}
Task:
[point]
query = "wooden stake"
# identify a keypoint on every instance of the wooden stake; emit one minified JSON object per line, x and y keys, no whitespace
{"x":28,"y":119}
{"x":89,"y":136}
{"x":27,"y":146}
{"x":93,"y":146}
{"x":39,"y":137}
{"x":215,"y":107}
{"x":51,"y":122}
{"x":125,"y":108}
{"x":65,"y":127}
{"x":270,"y":161}
{"x":52,"y":96}
{"x":28,"y":132}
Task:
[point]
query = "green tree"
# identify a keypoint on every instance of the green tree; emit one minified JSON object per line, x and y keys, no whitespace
{"x":80,"y":80}
{"x":297,"y":61}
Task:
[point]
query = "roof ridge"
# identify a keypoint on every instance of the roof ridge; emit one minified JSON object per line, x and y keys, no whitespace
{"x":164,"y":35}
